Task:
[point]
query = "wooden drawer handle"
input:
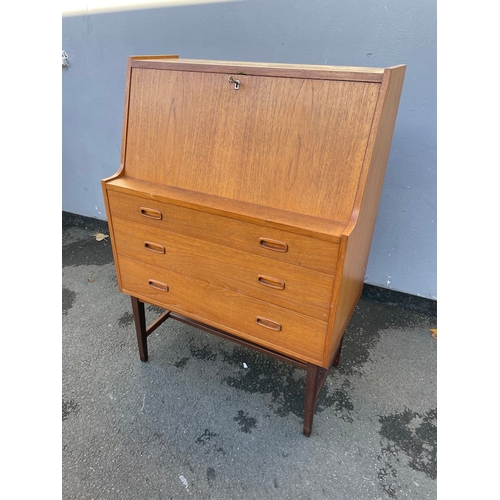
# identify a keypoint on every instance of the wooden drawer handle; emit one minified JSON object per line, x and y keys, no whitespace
{"x":277,"y":246}
{"x":154,"y":247}
{"x":267,"y":323}
{"x":271,"y":282}
{"x":158,"y":285}
{"x":151,"y":213}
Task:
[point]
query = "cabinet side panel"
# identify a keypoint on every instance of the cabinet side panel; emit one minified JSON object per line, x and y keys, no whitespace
{"x":287,"y":143}
{"x":111,"y":232}
{"x":356,"y":242}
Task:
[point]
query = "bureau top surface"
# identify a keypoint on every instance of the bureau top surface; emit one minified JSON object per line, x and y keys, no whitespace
{"x":261,"y":68}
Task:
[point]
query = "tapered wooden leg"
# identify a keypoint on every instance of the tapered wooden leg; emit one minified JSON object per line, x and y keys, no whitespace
{"x":140,"y":327}
{"x":336,"y":358}
{"x":311,"y":390}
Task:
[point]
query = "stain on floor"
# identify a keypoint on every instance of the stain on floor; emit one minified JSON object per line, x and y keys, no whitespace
{"x":206,"y":436}
{"x":340,"y":401}
{"x":388,"y":473}
{"x":68,"y":299}
{"x":69,"y":407}
{"x":204,"y":352}
{"x":284,"y":382}
{"x":87,"y":252}
{"x":265,"y":375}
{"x":181,"y":363}
{"x":415,"y":435}
{"x":210,"y":473}
{"x":370,"y":318}
{"x":245,"y":422}
{"x":126,"y":319}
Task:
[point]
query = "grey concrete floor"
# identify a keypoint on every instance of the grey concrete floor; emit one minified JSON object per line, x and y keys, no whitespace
{"x":194,"y":423}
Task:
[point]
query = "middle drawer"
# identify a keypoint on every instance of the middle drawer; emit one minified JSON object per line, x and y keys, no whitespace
{"x":299,"y":289}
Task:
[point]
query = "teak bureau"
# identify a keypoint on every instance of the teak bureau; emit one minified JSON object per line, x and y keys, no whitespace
{"x":246,"y":200}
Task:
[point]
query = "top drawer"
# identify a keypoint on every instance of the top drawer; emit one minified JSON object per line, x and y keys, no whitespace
{"x":292,"y":248}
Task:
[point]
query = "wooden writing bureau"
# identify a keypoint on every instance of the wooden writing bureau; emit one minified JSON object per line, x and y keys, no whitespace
{"x":246,"y":200}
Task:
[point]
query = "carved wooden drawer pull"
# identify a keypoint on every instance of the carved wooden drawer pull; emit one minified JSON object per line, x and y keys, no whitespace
{"x":271,"y":282}
{"x":151,"y":213}
{"x":158,"y":285}
{"x":277,"y":246}
{"x":268,"y":323}
{"x":154,"y":247}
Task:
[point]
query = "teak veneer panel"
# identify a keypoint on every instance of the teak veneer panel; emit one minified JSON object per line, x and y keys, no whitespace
{"x":302,"y":290}
{"x":302,"y":251}
{"x":248,"y":209}
{"x":325,"y":229}
{"x":356,"y":241}
{"x":273,"y":142}
{"x":228,"y":310}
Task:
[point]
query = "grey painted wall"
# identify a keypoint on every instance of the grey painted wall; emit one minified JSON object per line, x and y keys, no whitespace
{"x":375,"y":33}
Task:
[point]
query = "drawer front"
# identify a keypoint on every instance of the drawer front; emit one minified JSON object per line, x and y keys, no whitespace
{"x":302,"y":290}
{"x":272,"y":243}
{"x":266,"y":324}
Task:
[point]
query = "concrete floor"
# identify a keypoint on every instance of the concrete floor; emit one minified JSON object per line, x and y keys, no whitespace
{"x":194,"y":423}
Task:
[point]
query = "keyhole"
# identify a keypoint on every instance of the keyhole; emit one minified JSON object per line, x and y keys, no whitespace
{"x":234,"y":82}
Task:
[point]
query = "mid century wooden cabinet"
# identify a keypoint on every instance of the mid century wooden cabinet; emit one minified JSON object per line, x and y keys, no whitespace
{"x":246,"y":200}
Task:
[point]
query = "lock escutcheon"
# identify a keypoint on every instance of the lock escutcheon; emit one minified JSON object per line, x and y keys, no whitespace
{"x":234,"y":82}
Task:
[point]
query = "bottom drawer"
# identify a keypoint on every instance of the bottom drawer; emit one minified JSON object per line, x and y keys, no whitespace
{"x":275,"y":327}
